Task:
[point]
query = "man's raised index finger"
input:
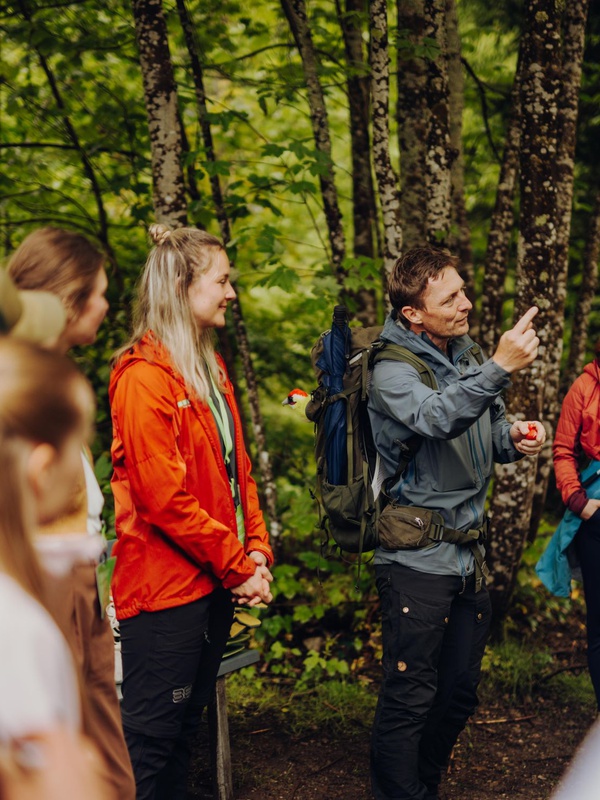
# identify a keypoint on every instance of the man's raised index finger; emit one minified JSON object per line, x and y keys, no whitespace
{"x":523,"y":324}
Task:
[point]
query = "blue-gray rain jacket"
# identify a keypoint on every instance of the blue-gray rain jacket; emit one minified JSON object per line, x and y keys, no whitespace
{"x":464,"y":431}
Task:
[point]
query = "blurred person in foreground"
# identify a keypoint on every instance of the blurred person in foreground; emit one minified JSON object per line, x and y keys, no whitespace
{"x":37,"y":317}
{"x":68,"y":266}
{"x":46,"y":409}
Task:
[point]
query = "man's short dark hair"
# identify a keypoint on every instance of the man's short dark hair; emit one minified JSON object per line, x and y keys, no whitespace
{"x":412,"y":272}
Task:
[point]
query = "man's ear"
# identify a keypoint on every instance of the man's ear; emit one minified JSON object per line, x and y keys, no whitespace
{"x":412,"y":314}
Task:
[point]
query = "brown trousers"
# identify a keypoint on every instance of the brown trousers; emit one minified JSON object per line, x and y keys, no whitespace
{"x":74,"y":603}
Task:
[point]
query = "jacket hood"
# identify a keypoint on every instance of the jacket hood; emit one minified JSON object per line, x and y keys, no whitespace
{"x":593,"y":369}
{"x":147,"y":349}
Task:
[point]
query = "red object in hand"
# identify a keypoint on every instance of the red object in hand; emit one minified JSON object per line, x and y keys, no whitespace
{"x":532,"y":432}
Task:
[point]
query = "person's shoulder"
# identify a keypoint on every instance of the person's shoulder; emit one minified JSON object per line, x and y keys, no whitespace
{"x":25,"y":625}
{"x":38,"y":686}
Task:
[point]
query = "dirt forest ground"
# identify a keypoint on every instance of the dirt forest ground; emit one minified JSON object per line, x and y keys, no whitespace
{"x":508,"y":750}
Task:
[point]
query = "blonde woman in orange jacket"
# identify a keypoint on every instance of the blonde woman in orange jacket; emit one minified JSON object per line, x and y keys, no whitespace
{"x":191,"y":537}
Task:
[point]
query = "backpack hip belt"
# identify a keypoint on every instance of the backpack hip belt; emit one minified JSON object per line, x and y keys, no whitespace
{"x":413,"y":528}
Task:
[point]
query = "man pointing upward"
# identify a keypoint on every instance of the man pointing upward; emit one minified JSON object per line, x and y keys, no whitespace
{"x":434,"y":603}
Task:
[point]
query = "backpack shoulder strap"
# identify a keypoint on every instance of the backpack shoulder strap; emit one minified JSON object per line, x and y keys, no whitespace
{"x":385,"y":351}
{"x":477,"y":352}
{"x":396,"y":352}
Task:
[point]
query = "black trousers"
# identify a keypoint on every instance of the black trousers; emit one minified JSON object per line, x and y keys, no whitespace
{"x":170,"y":664}
{"x":587,"y":546}
{"x":435,"y":629}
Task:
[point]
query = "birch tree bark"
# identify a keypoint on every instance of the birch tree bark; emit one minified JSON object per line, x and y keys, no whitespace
{"x":423,"y":112}
{"x":573,"y":26}
{"x":387,"y":180}
{"x":439,"y":155}
{"x":585,"y":297}
{"x":537,"y":282}
{"x":295,"y":11}
{"x":160,"y":95}
{"x":258,"y":427}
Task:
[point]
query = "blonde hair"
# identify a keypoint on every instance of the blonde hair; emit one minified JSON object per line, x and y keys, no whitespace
{"x":39,"y":403}
{"x":178,"y":258}
{"x":58,"y":261}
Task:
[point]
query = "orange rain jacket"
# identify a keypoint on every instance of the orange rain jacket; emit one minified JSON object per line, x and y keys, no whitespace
{"x":174,"y":513}
{"x":578,"y":431}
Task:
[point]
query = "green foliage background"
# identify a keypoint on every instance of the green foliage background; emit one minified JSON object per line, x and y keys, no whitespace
{"x":77,"y":63}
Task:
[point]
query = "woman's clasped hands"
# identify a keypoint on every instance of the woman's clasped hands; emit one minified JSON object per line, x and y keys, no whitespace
{"x":256,"y":589}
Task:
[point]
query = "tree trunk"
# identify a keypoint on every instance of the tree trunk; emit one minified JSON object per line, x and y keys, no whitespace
{"x":364,"y":209}
{"x":412,"y":115}
{"x":73,"y":137}
{"x":585,"y":297}
{"x":503,"y":218}
{"x":258,"y":426}
{"x":460,"y":240}
{"x":387,"y":180}
{"x":295,"y":11}
{"x":574,"y":20}
{"x":537,"y":282}
{"x":423,"y":115}
{"x":160,"y":94}
{"x":439,"y":155}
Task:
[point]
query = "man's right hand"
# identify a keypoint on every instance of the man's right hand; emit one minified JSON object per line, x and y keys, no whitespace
{"x":518,"y":347}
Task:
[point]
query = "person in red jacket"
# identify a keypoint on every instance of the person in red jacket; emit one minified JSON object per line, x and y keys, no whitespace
{"x":191,"y":536}
{"x":578,"y":438}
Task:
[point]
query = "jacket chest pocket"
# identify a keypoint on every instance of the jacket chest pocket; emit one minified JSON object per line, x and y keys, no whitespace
{"x":455,"y":464}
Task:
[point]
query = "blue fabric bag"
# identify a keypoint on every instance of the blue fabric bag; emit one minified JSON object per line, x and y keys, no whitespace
{"x":554,"y":568}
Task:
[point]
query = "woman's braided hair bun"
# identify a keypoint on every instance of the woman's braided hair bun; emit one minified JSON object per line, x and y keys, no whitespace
{"x":159,"y":233}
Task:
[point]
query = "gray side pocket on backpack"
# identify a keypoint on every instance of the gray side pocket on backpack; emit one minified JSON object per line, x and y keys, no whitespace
{"x":344,"y":507}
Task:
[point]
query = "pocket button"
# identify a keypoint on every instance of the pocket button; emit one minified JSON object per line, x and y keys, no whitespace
{"x":405,"y":610}
{"x":402,"y":666}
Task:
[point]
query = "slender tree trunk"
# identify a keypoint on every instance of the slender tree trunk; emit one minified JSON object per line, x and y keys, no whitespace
{"x":258,"y":426}
{"x":503,"y":219}
{"x":387,"y":180}
{"x":412,"y":116}
{"x":295,"y":11}
{"x":585,"y":297}
{"x":160,"y":94}
{"x":541,"y":88}
{"x":439,"y":155}
{"x":73,"y":137}
{"x":460,"y":239}
{"x":364,"y":208}
{"x":574,"y":21}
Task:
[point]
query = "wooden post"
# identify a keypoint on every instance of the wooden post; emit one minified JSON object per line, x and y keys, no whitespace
{"x":219,"y":743}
